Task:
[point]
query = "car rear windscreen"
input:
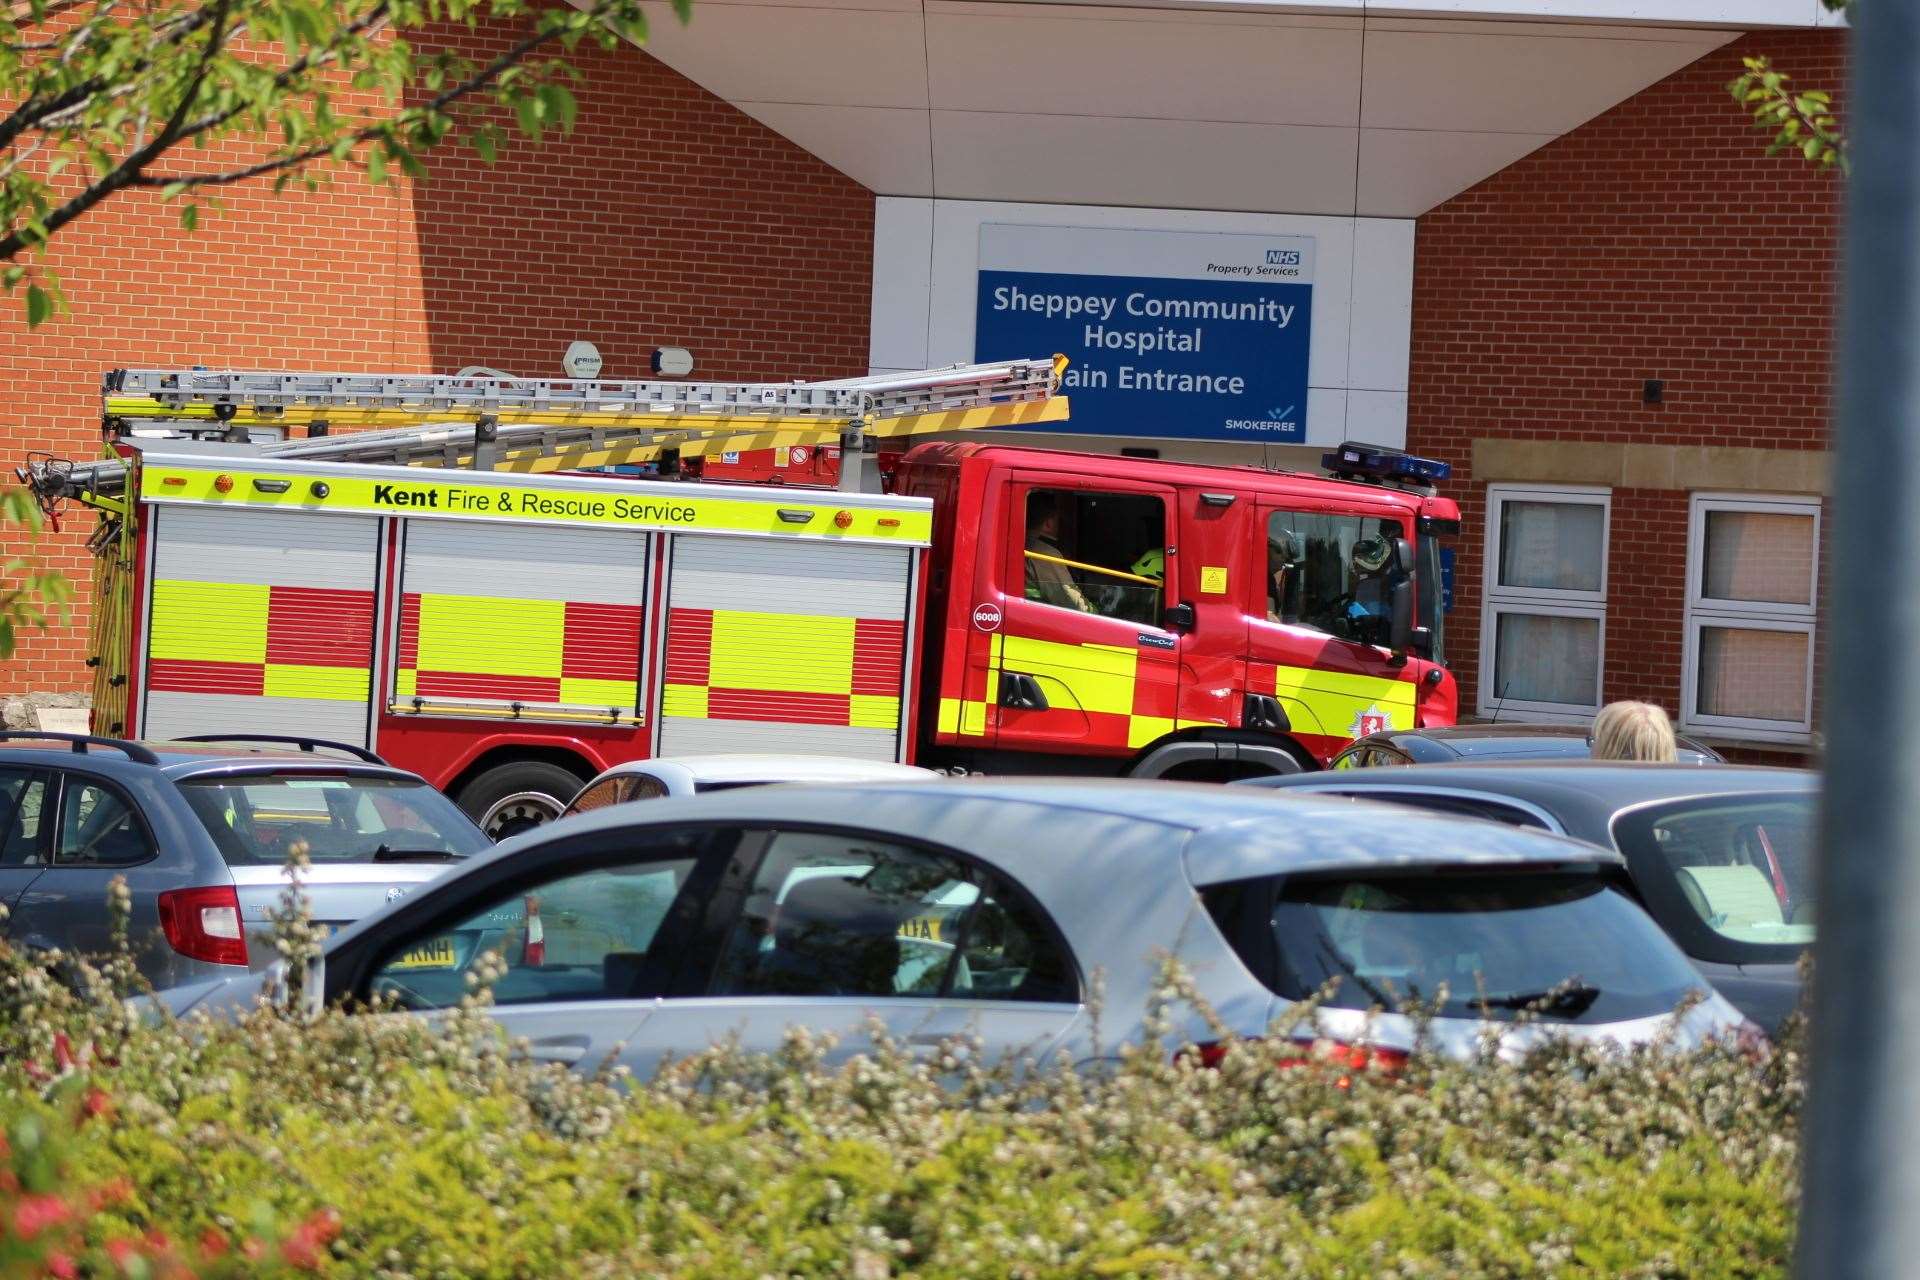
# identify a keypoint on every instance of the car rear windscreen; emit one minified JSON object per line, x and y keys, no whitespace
{"x":1731,"y":875}
{"x":258,"y":819}
{"x":1480,"y":944}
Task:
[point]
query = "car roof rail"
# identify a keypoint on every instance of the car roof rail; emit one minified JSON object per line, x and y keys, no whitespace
{"x":81,"y":741}
{"x":312,"y":746}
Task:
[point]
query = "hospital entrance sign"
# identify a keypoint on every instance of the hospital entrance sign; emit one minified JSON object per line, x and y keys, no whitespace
{"x":1170,"y":334}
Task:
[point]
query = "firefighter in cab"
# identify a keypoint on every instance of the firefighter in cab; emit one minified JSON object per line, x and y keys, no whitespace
{"x":1048,"y":577}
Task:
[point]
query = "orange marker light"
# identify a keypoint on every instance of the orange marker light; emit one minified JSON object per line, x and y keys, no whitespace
{"x":842,"y":519}
{"x":173,"y":480}
{"x":223,"y":484}
{"x":888,"y":522}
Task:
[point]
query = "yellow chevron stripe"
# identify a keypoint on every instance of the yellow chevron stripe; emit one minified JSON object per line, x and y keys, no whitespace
{"x":692,"y":434}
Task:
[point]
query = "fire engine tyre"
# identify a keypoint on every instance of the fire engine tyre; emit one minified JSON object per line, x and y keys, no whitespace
{"x":510,"y":798}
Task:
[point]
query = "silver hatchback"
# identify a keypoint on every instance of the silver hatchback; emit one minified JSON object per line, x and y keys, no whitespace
{"x":201,"y":832}
{"x":1036,"y":916}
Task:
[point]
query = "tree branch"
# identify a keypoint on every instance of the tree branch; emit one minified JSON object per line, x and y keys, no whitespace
{"x":375,"y":20}
{"x":281,"y":163}
{"x":129,"y":169}
{"x":33,"y":112}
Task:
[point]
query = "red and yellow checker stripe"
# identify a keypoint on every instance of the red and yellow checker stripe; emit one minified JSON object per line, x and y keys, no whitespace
{"x":255,"y":640}
{"x":511,"y":649}
{"x":728,"y":664}
{"x":1098,"y":681}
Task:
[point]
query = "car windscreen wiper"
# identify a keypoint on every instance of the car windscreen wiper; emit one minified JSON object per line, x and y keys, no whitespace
{"x":387,"y":853}
{"x":1569,"y":998}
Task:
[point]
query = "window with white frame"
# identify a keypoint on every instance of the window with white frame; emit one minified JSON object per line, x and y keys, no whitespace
{"x":1752,"y":582}
{"x":1544,"y":617}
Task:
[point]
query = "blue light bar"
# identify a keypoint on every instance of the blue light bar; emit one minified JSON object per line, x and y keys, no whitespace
{"x":1371,"y":462}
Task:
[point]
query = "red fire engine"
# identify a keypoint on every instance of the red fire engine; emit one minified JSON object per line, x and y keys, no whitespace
{"x":452,"y":591}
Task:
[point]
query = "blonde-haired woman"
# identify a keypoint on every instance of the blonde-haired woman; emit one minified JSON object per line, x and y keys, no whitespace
{"x":1633,"y":731}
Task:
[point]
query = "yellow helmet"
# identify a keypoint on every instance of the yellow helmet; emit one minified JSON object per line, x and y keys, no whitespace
{"x":1151,"y":564}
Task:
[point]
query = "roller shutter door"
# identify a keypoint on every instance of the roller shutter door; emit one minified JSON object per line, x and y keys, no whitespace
{"x":261,"y":622}
{"x":545,"y":618}
{"x":784,"y":647}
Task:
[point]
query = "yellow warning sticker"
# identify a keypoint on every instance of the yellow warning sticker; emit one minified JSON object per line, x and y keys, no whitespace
{"x":1213,"y":580}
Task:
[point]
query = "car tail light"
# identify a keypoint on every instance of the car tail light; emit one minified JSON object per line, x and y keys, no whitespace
{"x":204,"y":924}
{"x":1339,"y":1056}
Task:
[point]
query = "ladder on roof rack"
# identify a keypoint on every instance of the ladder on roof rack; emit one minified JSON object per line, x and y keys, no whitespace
{"x":536,"y":425}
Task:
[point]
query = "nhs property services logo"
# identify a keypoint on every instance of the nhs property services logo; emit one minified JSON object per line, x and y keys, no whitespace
{"x":1283,"y":257}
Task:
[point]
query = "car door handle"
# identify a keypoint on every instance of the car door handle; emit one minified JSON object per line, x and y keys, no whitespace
{"x":559,"y":1049}
{"x":929,"y":1041}
{"x":1021,"y":692}
{"x":1263,"y":711}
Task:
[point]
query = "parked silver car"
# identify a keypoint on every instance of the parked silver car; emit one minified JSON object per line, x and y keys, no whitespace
{"x":665,"y":776}
{"x":201,"y":832}
{"x":998,"y":909}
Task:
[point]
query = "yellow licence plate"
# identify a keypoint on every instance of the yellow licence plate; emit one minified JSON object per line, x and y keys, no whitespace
{"x":437,"y":954}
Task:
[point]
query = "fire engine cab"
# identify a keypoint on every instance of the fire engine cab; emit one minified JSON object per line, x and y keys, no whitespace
{"x":1170,"y":620}
{"x":460,"y":590}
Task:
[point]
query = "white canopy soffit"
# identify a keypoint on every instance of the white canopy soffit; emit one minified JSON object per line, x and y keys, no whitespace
{"x":1338,"y":107}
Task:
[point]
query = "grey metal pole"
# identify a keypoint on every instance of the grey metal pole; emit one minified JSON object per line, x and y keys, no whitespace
{"x":1860,"y":1209}
{"x":853,"y":457}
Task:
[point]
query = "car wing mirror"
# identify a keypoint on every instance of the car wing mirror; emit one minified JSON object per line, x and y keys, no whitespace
{"x":1400,"y":616}
{"x":273,"y":985}
{"x":313,"y":986}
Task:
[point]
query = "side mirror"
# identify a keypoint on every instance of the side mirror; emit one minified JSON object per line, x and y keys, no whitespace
{"x":1400,"y":615}
{"x":1402,"y":558}
{"x":273,"y":985}
{"x":313,"y":986}
{"x":1421,"y":643}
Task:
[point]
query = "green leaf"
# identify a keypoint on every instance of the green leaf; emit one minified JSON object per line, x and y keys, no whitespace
{"x":39,"y":306}
{"x":376,"y":165}
{"x":1811,"y":147}
{"x":190,"y":217}
{"x":529,"y":109}
{"x":408,"y":162}
{"x":558,"y":104}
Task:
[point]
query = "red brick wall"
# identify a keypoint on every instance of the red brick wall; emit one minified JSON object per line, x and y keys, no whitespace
{"x":1656,"y":241}
{"x":668,"y":218}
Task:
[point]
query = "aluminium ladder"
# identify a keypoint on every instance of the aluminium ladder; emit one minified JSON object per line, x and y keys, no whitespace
{"x":538,"y":425}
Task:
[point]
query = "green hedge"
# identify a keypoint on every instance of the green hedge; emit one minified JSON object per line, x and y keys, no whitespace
{"x":380,"y":1146}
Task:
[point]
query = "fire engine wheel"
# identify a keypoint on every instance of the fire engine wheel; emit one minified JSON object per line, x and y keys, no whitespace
{"x":510,"y":798}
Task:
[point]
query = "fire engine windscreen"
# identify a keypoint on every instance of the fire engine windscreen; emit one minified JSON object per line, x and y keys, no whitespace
{"x":1094,"y":552}
{"x":1323,"y":572}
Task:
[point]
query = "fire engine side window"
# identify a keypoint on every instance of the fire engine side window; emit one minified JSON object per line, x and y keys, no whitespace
{"x":1096,"y":552}
{"x":1328,"y":572}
